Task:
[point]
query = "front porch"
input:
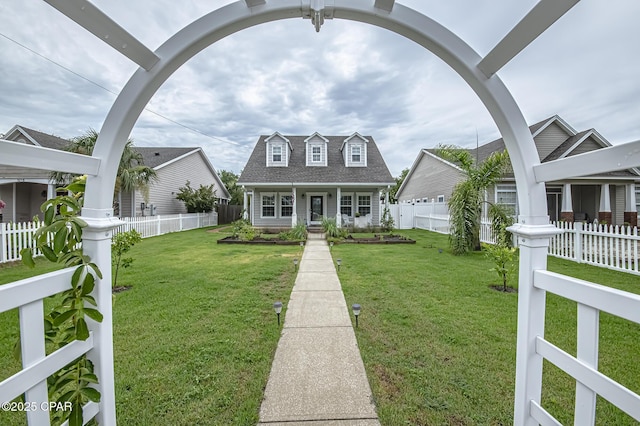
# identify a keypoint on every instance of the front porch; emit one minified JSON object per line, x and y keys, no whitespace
{"x":270,"y":207}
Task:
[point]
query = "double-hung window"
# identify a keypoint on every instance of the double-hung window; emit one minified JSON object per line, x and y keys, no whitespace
{"x":268,"y":205}
{"x":276,"y":152}
{"x":364,"y":204}
{"x":286,"y":205}
{"x":356,"y":152}
{"x":346,"y":205}
{"x":506,"y":195}
{"x":316,"y":154}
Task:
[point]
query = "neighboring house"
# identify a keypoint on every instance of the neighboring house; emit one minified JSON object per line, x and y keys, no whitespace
{"x":612,"y":197}
{"x":303,"y":179}
{"x":174,"y":167}
{"x":25,"y":189}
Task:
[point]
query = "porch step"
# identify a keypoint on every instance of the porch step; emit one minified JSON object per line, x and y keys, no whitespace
{"x":315,"y":229}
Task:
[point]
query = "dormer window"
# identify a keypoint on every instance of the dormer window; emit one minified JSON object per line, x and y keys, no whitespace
{"x":356,"y":152}
{"x":317,"y":150}
{"x":277,"y":154}
{"x":278,"y":150}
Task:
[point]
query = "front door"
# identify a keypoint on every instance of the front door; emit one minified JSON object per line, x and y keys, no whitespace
{"x":316,"y":209}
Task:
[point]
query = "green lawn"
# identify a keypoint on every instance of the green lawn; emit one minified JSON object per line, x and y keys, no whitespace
{"x":439,"y":345}
{"x":195,"y":336}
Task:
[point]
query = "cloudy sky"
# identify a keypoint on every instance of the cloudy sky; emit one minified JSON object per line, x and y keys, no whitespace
{"x":283,"y":76}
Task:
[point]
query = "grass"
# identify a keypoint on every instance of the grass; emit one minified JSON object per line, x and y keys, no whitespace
{"x":439,"y":345}
{"x":195,"y":336}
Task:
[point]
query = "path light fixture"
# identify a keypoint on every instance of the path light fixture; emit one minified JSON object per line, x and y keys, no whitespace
{"x":330,"y":245}
{"x":295,"y":263}
{"x":356,"y":312}
{"x":339,"y":262}
{"x":301,"y":245}
{"x":277,"y":306}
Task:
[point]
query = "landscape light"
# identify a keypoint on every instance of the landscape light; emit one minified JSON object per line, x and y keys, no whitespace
{"x":356,"y":312}
{"x":295,"y":263}
{"x":339,"y":262}
{"x":277,"y":306}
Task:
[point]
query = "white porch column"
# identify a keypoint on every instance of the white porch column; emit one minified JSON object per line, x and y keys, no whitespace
{"x":13,"y":203}
{"x":51,"y":191}
{"x":630,"y":212}
{"x":245,"y":214}
{"x":566,"y":213}
{"x":294,"y":215}
{"x":96,"y":242}
{"x":533,"y":235}
{"x":630,"y":198}
{"x":338,"y":215}
{"x":604,"y":214}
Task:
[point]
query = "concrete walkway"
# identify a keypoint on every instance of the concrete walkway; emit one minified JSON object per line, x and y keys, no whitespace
{"x":317,"y":377}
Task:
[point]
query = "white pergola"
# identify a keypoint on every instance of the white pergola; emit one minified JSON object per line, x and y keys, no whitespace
{"x":532,"y":230}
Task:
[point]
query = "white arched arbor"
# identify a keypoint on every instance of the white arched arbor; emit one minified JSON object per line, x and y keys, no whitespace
{"x":533,"y":228}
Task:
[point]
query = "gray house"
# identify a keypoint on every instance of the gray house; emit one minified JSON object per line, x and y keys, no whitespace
{"x":25,"y":189}
{"x":302,"y":179}
{"x":611,"y":197}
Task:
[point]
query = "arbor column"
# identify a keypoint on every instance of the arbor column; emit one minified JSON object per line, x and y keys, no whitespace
{"x":630,"y":212}
{"x":566,"y":213}
{"x":604,"y":214}
{"x":96,"y":243}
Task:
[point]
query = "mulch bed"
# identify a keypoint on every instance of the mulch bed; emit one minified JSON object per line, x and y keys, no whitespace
{"x":258,"y":241}
{"x":379,"y":239}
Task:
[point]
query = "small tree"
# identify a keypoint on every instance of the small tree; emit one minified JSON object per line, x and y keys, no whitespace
{"x":502,"y":257}
{"x":387,"y":223}
{"x":198,"y":200}
{"x":120,"y":244}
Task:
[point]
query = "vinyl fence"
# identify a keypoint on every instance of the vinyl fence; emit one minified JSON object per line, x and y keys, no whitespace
{"x":613,"y":247}
{"x":16,"y":236}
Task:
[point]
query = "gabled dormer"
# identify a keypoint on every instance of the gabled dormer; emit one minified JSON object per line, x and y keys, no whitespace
{"x":354,"y":150}
{"x":316,"y":147}
{"x":278,"y":149}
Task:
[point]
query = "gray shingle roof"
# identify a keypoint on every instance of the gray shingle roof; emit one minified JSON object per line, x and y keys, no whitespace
{"x":46,"y":140}
{"x":256,"y":170}
{"x":155,"y":156}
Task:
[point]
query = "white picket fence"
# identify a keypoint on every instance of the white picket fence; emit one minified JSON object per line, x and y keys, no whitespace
{"x":613,"y":247}
{"x":16,"y":236}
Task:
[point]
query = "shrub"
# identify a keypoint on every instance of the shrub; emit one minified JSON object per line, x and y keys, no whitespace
{"x":331,"y":229}
{"x":387,"y":221}
{"x":503,"y":259}
{"x":120,"y":244}
{"x":243,"y":230}
{"x":297,"y":233}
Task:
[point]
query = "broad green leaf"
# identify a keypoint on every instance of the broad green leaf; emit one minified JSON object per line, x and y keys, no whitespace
{"x":64,"y":316}
{"x":80,"y":222}
{"x":49,"y":214}
{"x":75,"y":278}
{"x":49,"y":254}
{"x":27,"y":257}
{"x":96,"y":269}
{"x":94,"y":314}
{"x":82,"y":331}
{"x":75,"y":419}
{"x":91,"y":393}
{"x":88,"y":285}
{"x":89,"y":378}
{"x":89,"y":298}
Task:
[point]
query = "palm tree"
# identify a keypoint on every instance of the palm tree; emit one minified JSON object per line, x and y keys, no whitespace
{"x":132,"y":173}
{"x":465,"y":205}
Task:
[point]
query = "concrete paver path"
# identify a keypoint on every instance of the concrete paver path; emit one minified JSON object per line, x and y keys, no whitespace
{"x":317,"y":377}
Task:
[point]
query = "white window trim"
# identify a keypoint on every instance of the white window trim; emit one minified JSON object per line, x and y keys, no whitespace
{"x":275,"y":205}
{"x":280,"y":205}
{"x":273,"y":153}
{"x":440,"y":198}
{"x":357,"y":202}
{"x":351,"y":153}
{"x":513,"y":185}
{"x":351,"y":206}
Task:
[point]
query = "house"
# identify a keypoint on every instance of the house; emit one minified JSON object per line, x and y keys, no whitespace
{"x":612,"y":197}
{"x":303,"y":179}
{"x":25,"y":189}
{"x":174,"y":167}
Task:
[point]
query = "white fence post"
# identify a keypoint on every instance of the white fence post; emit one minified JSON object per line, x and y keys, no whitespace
{"x":577,"y":242}
{"x":3,"y":242}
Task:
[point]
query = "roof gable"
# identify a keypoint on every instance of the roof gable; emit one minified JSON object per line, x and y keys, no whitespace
{"x":37,"y":138}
